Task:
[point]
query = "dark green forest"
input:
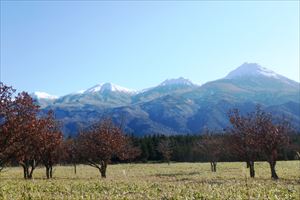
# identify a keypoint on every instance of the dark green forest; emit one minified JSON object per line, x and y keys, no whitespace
{"x":184,"y":148}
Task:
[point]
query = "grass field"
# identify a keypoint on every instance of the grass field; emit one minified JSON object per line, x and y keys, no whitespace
{"x":155,"y":181}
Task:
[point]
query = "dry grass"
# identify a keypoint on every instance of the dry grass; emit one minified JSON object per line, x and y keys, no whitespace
{"x":155,"y":181}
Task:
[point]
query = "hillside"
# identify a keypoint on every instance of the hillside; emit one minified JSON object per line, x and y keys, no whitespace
{"x":177,"y":106}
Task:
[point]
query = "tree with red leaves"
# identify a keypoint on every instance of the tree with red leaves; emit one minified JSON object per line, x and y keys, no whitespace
{"x":51,"y":139}
{"x":243,"y":137}
{"x":26,"y":127}
{"x":70,"y":152}
{"x":271,"y":138}
{"x":98,"y":145}
{"x":130,"y":151}
{"x":6,"y":135}
{"x":256,"y":134}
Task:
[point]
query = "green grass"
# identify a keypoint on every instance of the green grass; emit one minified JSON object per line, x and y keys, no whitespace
{"x":155,"y":181}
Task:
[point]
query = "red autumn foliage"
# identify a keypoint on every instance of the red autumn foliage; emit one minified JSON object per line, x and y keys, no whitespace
{"x":256,"y":133}
{"x":25,"y":127}
{"x":69,"y":152}
{"x":50,"y":142}
{"x":6,"y":136}
{"x":243,"y":140}
{"x":24,"y":137}
{"x":102,"y":142}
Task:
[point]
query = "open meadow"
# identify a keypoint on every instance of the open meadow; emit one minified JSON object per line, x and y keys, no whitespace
{"x":155,"y":181}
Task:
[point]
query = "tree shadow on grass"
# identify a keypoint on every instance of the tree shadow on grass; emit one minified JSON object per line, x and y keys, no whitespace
{"x":177,"y":174}
{"x":52,"y":179}
{"x":214,"y":180}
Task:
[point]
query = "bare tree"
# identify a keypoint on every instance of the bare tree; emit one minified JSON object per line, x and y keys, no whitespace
{"x":211,"y":146}
{"x":165,"y":148}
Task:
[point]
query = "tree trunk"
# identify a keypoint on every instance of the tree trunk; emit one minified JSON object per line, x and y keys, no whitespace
{"x":75,"y":170}
{"x":47,"y":172}
{"x":252,"y":171}
{"x":25,"y":171}
{"x":214,"y":166}
{"x":50,"y":173}
{"x":273,"y":171}
{"x":248,"y":164}
{"x":31,"y":167}
{"x":30,"y":173}
{"x":1,"y":165}
{"x":102,"y":169}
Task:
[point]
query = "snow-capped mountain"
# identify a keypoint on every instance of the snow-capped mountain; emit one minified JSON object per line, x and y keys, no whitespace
{"x":108,"y":87}
{"x":180,"y":106}
{"x":44,"y":95}
{"x":177,"y":81}
{"x":167,"y":87}
{"x":260,"y":76}
{"x":251,"y":69}
{"x":101,"y":95}
{"x":43,"y":99}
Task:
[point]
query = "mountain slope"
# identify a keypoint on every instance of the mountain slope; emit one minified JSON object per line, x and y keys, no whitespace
{"x":43,"y":99}
{"x":190,"y":111}
{"x":105,"y":95}
{"x":167,"y":87}
{"x":177,"y":106}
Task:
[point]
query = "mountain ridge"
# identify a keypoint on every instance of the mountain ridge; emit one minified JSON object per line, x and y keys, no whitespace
{"x":245,"y":70}
{"x":178,"y":106}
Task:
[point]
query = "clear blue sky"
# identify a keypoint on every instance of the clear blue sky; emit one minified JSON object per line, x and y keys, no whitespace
{"x":62,"y":47}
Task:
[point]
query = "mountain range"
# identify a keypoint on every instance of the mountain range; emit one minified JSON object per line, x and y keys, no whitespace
{"x":178,"y":106}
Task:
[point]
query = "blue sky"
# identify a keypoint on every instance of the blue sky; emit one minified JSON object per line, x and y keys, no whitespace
{"x":62,"y":47}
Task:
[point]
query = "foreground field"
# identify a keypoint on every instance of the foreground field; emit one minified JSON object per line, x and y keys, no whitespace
{"x":155,"y":181}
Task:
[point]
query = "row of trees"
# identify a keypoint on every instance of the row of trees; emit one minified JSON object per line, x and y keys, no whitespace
{"x":251,"y":137}
{"x":30,"y":138}
{"x":257,"y":135}
{"x":25,"y":137}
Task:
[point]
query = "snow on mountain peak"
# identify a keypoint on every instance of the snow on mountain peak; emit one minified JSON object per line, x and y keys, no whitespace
{"x":44,"y":95}
{"x":177,"y":81}
{"x":251,"y":69}
{"x":80,"y":92}
{"x":108,"y":87}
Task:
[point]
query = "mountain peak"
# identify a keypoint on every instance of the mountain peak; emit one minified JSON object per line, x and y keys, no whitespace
{"x":251,"y":69}
{"x":108,"y":87}
{"x":44,"y":95}
{"x":177,"y":81}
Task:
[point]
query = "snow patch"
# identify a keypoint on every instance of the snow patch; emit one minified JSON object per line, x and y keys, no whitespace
{"x":178,"y":81}
{"x":108,"y":87}
{"x":252,"y":69}
{"x":44,"y":95}
{"x":267,"y":72}
{"x":80,"y":92}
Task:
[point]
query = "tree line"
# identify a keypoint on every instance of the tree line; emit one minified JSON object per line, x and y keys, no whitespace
{"x":29,"y":138}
